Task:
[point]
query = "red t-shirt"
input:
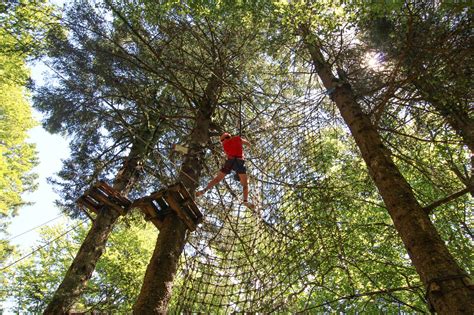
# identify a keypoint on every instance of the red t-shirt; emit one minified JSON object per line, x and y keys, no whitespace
{"x":233,"y":148}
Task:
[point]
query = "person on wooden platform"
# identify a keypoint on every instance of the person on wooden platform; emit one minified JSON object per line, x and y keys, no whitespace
{"x":233,"y":148}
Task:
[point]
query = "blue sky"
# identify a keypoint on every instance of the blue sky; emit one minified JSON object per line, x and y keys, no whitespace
{"x":51,"y":150}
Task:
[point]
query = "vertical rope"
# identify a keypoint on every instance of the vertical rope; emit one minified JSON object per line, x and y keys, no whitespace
{"x":240,"y":116}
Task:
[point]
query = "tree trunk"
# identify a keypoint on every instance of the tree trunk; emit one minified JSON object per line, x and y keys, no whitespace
{"x":157,"y":286}
{"x":458,"y":118}
{"x":448,"y":286}
{"x":83,"y":265}
{"x":460,"y":121}
{"x":155,"y":293}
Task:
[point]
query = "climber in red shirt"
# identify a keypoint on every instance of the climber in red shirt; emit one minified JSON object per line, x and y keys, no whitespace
{"x":235,"y":162}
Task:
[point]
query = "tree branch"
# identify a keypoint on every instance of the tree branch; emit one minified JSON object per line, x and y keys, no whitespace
{"x":447,"y":199}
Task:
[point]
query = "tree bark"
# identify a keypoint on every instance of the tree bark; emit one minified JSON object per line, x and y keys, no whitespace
{"x":448,"y":286}
{"x":427,"y":209}
{"x":83,"y":265}
{"x":459,"y":119}
{"x":156,"y":290}
{"x":157,"y":286}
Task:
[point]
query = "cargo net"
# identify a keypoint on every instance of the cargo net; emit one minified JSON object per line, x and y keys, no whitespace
{"x":302,"y":248}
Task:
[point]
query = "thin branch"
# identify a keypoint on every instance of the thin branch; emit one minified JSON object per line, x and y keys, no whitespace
{"x":427,"y":209}
{"x":372,"y":293}
{"x":391,"y":130}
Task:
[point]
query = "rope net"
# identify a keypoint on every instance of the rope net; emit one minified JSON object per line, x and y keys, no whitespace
{"x":291,"y":252}
{"x":316,"y":240}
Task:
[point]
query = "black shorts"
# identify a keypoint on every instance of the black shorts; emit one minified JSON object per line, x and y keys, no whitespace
{"x":236,"y":165}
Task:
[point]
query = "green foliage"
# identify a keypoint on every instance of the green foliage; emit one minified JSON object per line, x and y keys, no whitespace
{"x":330,"y":245}
{"x":17,"y":157}
{"x":25,"y":26}
{"x":31,"y":280}
{"x":103,"y":81}
{"x":430,"y":161}
{"x":323,"y":241}
{"x":427,"y":128}
{"x":144,"y":73}
{"x":429,"y":43}
{"x":347,"y":231}
{"x":114,"y":285}
{"x":119,"y":273}
{"x":356,"y":257}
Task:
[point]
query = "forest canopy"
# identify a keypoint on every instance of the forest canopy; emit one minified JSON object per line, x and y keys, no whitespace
{"x":361,"y":127}
{"x":22,"y":39}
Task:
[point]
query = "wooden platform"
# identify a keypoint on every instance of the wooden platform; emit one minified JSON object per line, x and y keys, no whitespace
{"x":153,"y":207}
{"x":101,"y":196}
{"x":174,"y":198}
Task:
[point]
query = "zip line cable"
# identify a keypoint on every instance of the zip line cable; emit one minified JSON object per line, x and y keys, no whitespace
{"x":238,"y":262}
{"x":43,"y":246}
{"x":34,"y":228}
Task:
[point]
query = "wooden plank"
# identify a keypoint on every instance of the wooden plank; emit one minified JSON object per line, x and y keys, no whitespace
{"x":189,"y":213}
{"x":162,"y":207}
{"x":198,"y":216}
{"x":89,"y":203}
{"x":101,"y":198}
{"x":101,"y":195}
{"x":86,"y":211}
{"x":162,"y":204}
{"x":146,"y":207}
{"x":158,"y":194}
{"x":155,"y":213}
{"x":158,"y":223}
{"x":188,"y":200}
{"x":102,"y":183}
{"x":187,"y":203}
{"x":112,"y":193}
{"x":93,"y":201}
{"x":109,"y":190}
{"x":174,"y":198}
{"x":105,"y":200}
{"x":81,"y":201}
{"x":183,"y":192}
{"x":115,"y":197}
{"x":176,"y":187}
{"x":181,"y":214}
{"x":193,"y":209}
{"x":85,"y":206}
